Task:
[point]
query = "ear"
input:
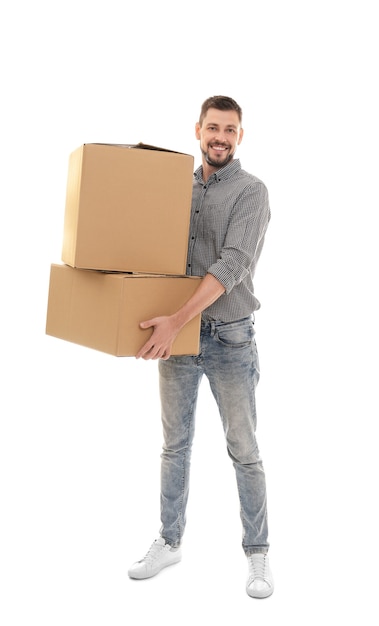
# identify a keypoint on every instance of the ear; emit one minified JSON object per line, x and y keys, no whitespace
{"x":240,"y":136}
{"x":197,"y":130}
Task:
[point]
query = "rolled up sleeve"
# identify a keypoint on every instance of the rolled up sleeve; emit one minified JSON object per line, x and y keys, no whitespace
{"x":244,"y":238}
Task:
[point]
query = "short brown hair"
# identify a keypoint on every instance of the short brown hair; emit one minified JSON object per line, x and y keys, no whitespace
{"x":223,"y":103}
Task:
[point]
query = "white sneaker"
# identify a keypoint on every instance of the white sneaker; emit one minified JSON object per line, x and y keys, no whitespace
{"x":260,"y":583}
{"x":160,"y":555}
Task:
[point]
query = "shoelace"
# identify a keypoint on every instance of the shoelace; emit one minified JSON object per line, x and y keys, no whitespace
{"x":257,"y":568}
{"x":153,"y":553}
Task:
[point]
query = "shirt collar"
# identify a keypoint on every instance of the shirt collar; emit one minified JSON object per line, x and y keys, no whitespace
{"x":228,"y":171}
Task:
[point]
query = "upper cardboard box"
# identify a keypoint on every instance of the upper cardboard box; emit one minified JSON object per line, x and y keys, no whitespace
{"x":128,"y":209}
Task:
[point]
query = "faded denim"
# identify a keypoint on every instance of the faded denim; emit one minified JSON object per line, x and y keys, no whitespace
{"x":229,"y":359}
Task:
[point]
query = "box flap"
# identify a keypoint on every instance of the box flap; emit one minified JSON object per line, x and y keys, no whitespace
{"x":139,"y":146}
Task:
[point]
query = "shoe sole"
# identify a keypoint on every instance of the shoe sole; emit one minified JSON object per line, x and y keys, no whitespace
{"x":154,"y":572}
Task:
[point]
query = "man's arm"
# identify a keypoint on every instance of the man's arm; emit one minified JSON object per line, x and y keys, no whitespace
{"x":165,"y":328}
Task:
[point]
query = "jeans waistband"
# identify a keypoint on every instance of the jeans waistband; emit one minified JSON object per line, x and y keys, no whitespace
{"x":212,"y":324}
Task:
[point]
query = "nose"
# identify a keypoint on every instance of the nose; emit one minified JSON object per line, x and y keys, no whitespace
{"x":220,"y":136}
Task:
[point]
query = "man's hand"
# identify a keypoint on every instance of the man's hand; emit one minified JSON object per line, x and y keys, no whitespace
{"x":166,"y":327}
{"x":160,"y":343}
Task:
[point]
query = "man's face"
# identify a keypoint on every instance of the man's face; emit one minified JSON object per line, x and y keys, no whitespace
{"x":219,"y":136}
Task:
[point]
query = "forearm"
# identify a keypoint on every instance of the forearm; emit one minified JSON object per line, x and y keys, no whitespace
{"x":209,"y":290}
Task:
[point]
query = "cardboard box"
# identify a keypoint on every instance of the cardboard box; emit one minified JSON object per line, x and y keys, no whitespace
{"x":128,"y":209}
{"x":103,"y":310}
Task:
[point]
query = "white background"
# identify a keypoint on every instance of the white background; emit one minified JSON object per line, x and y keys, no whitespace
{"x":80,"y":430}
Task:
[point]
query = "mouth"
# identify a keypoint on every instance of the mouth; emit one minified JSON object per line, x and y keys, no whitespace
{"x":218,"y":147}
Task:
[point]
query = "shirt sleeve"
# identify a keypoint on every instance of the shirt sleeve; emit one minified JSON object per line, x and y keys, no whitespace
{"x":244,"y":238}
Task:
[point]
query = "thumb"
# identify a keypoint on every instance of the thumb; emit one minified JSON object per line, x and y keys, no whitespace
{"x":147,"y":324}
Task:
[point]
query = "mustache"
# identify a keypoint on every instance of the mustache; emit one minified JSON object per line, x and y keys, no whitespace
{"x":219,"y":144}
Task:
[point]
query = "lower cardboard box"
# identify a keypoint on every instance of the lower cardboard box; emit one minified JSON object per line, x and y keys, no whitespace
{"x":102,"y":310}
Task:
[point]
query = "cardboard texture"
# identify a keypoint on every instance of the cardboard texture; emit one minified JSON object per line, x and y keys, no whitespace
{"x":127,"y":209}
{"x":103,"y":310}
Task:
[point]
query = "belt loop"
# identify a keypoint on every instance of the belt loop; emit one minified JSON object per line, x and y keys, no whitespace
{"x":213,"y":328}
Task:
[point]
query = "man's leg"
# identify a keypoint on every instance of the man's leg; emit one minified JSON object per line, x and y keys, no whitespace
{"x":179,"y":379}
{"x":232,"y":367}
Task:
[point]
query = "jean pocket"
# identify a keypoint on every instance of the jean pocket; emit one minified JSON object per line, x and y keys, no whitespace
{"x":236,"y":334}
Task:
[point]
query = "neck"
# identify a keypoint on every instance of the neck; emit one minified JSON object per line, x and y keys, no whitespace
{"x":208,"y":170}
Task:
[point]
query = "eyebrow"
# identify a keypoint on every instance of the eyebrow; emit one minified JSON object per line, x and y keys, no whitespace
{"x":227,"y":126}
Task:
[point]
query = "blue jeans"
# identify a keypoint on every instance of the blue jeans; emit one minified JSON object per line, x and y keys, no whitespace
{"x":228,"y":357}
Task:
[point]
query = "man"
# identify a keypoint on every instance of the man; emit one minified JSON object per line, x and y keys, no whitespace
{"x":229,"y":217}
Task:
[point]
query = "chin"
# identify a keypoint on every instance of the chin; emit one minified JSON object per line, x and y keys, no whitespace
{"x":220,"y":163}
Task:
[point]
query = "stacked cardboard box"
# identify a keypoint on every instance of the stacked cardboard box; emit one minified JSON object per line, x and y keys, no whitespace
{"x":124,"y":248}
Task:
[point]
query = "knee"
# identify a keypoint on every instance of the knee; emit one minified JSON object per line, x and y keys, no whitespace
{"x":244,"y":455}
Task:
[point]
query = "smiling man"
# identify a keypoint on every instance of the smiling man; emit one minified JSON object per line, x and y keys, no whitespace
{"x":219,"y":133}
{"x":229,"y":218}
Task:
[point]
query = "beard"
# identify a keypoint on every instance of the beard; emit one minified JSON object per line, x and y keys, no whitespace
{"x":219,"y":162}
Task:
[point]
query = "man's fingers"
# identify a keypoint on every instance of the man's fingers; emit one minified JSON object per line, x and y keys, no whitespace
{"x":153,"y":352}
